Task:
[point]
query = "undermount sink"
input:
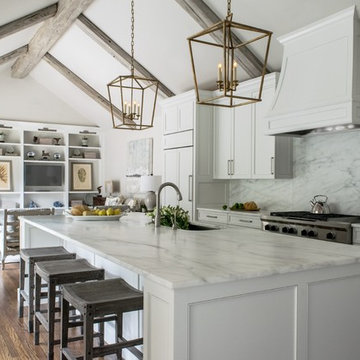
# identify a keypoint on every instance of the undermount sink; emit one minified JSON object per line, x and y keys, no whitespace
{"x":198,"y":227}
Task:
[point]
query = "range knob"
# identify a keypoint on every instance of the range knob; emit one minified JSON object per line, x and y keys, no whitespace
{"x":312,"y":233}
{"x":331,"y":236}
{"x":292,"y":231}
{"x":304,"y":232}
{"x":285,"y":229}
{"x":267,"y":227}
{"x":274,"y":228}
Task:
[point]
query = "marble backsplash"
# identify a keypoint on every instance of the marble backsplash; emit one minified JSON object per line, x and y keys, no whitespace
{"x":323,"y":164}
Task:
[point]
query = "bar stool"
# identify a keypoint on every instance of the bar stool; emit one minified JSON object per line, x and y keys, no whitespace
{"x":30,"y":257}
{"x":57,"y":273}
{"x":97,"y":302}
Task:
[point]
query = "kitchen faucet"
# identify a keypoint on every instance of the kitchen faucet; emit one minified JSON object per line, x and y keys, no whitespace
{"x":163,"y":185}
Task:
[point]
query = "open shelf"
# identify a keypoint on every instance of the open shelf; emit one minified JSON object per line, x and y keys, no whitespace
{"x":45,"y":145}
{"x":83,"y":192}
{"x":43,"y":192}
{"x":83,"y":159}
{"x":10,"y":192}
{"x":46,"y":161}
{"x":10,"y":143}
{"x":4,"y":157}
{"x":85,"y":147}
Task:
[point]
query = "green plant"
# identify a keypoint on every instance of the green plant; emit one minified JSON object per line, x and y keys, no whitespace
{"x":167,"y":216}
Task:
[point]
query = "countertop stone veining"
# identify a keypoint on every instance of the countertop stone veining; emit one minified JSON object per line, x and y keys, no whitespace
{"x":181,"y":258}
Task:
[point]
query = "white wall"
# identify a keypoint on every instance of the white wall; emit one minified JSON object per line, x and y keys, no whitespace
{"x":116,"y":151}
{"x":323,"y":164}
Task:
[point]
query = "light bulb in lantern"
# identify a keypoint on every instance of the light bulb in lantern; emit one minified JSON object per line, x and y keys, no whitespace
{"x":125,"y":107}
{"x":219,"y":72}
{"x":235,"y":65}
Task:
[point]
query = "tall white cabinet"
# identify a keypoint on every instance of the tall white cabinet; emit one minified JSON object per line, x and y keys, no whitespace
{"x":188,"y":154}
{"x":241,"y":148}
{"x":23,"y":138}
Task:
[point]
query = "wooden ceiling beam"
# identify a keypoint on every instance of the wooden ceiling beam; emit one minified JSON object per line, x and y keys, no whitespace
{"x":13,"y":54}
{"x":206,"y":17}
{"x":48,"y":34}
{"x":81,"y":84}
{"x":117,"y":51}
{"x":28,"y":20}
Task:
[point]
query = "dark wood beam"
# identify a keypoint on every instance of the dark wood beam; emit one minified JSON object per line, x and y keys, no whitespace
{"x":48,"y":34}
{"x":117,"y":51}
{"x":28,"y":20}
{"x":81,"y":84}
{"x":206,"y":17}
{"x":13,"y":54}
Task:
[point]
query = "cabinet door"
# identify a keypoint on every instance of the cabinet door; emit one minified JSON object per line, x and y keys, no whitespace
{"x":186,"y":178}
{"x":242,"y":140}
{"x":171,"y":173}
{"x":186,"y":116}
{"x":222,"y":142}
{"x":170,"y":119}
{"x":264,"y":145}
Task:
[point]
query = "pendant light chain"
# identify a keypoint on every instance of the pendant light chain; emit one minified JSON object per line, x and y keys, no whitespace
{"x":132,"y":37}
{"x":229,"y":7}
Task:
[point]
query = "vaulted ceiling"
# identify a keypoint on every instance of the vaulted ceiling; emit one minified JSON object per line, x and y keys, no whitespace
{"x":91,"y":52}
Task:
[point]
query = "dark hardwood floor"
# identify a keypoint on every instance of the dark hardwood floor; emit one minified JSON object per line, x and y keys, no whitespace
{"x":15,"y":341}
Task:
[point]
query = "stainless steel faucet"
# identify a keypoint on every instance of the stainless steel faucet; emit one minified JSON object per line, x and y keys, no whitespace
{"x":163,"y":185}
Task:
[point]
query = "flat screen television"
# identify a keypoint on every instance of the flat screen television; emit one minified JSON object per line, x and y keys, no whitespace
{"x":44,"y":177}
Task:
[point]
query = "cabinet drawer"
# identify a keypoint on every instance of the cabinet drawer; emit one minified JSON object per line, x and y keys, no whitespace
{"x":245,"y":220}
{"x":180,"y":139}
{"x":213,"y":216}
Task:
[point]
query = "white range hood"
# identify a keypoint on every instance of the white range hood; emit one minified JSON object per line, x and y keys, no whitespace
{"x":318,"y":89}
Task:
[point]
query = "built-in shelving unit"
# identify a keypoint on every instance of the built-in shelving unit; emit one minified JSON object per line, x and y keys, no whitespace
{"x":37,"y":143}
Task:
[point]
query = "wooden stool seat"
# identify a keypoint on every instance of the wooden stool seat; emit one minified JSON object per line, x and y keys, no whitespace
{"x":99,"y":300}
{"x":30,"y":257}
{"x":57,"y":273}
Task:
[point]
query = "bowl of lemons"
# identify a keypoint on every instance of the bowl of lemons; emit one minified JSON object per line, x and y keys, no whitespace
{"x":84,"y":213}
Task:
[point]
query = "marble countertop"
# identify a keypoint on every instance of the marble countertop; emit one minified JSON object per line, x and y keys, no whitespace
{"x":191,"y":258}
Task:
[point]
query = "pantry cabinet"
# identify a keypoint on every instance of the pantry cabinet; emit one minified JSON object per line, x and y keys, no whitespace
{"x":241,"y":148}
{"x":188,"y":154}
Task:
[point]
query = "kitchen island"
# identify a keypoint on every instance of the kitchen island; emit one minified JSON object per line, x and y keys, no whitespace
{"x":224,"y":294}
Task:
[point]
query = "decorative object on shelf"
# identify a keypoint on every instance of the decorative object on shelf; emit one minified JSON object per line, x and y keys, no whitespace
{"x":58,"y":204}
{"x":57,"y":156}
{"x":149,"y":185}
{"x":35,"y":140}
{"x":90,"y":155}
{"x":30,"y":155}
{"x":225,"y":46}
{"x":81,"y":176}
{"x":134,"y":204}
{"x":84,"y":141}
{"x":45,"y":155}
{"x":137,"y":96}
{"x":46,"y":141}
{"x":109,"y":187}
{"x":76,"y":202}
{"x":10,"y":151}
{"x":2,"y":137}
{"x":76,"y":153}
{"x":33,"y":204}
{"x":5,"y":176}
{"x":115,"y":200}
{"x":56,"y":140}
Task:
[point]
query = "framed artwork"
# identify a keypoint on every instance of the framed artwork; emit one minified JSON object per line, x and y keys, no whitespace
{"x":5,"y":176}
{"x":81,"y":176}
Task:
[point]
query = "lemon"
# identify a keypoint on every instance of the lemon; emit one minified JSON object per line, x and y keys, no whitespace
{"x":110,"y":212}
{"x":102,"y":212}
{"x":117,"y":212}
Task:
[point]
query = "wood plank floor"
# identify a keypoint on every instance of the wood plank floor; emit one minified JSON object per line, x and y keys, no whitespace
{"x":15,"y":341}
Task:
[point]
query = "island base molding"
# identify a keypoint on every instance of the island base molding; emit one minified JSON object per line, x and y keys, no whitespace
{"x":309,"y":315}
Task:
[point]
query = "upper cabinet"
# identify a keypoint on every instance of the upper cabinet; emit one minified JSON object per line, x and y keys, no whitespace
{"x":179,"y":117}
{"x":241,"y":148}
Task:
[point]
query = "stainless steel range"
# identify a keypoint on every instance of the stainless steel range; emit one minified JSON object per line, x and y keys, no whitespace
{"x":329,"y":227}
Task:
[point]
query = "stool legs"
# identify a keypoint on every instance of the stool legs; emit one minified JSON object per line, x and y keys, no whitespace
{"x":21,"y":288}
{"x":88,"y":333}
{"x":37,"y":308}
{"x":31,"y":297}
{"x":64,"y":326}
{"x":118,"y":332}
{"x":51,"y":319}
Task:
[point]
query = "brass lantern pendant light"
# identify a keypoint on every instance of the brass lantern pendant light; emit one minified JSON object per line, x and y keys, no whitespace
{"x":222,"y":48}
{"x":136,"y":95}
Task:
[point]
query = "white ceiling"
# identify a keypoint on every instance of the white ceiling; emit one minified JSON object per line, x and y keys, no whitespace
{"x":161,"y":29}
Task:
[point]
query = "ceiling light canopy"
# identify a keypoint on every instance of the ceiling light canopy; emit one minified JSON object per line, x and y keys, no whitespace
{"x":224,"y":57}
{"x":135,"y":95}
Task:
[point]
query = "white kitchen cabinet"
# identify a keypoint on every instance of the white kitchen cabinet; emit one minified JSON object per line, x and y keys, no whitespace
{"x":188,"y":154}
{"x":241,"y":148}
{"x":213,"y":216}
{"x":178,"y":168}
{"x":179,"y":117}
